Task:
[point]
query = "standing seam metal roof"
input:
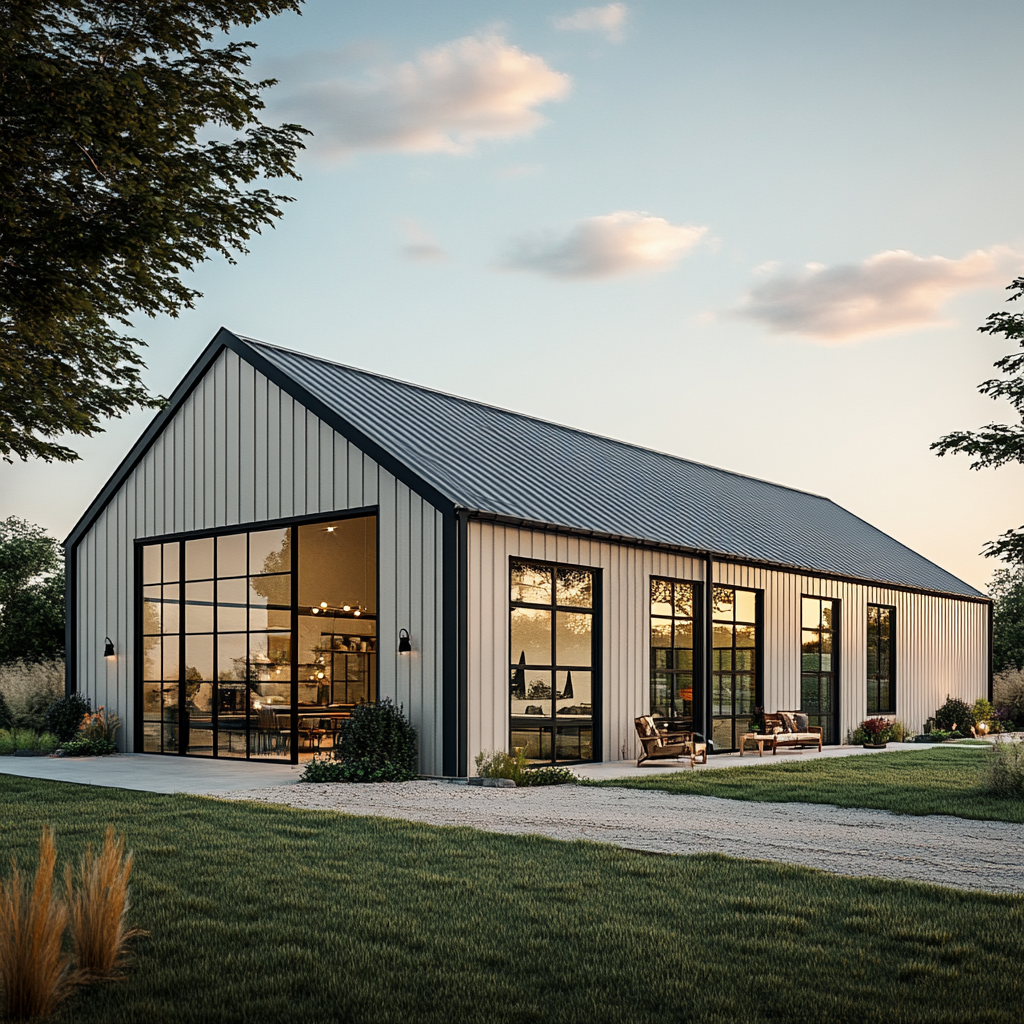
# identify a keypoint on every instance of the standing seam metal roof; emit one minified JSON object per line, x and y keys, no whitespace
{"x":492,"y":460}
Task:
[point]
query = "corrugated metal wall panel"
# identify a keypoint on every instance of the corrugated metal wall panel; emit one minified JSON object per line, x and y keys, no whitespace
{"x":239,"y":451}
{"x":941,"y":642}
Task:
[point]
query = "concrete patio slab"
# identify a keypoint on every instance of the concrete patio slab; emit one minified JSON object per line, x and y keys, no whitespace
{"x":153,"y":774}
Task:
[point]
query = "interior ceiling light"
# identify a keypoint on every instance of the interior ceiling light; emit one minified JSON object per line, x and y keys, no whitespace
{"x":323,"y":604}
{"x":314,"y":610}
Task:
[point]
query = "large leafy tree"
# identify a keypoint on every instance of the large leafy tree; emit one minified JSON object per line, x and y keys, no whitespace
{"x":1007,"y":590}
{"x":999,"y":444}
{"x":31,"y":593}
{"x":111,"y":188}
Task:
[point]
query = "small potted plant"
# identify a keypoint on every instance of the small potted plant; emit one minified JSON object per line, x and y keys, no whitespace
{"x":877,"y":732}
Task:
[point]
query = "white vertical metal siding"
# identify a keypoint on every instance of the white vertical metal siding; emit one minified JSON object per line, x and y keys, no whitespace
{"x":240,"y":451}
{"x":941,"y":643}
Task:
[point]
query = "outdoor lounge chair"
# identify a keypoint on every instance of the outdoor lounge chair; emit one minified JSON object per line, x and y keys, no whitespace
{"x":659,"y":745}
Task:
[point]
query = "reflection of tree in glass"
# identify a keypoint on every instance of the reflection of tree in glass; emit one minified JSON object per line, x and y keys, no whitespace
{"x":276,"y":589}
{"x":575,"y":588}
{"x":150,"y":617}
{"x":519,"y":679}
{"x":723,"y":601}
{"x":193,"y":680}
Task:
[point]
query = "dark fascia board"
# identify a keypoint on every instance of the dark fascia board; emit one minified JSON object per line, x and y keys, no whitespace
{"x":226,"y":339}
{"x":717,"y":556}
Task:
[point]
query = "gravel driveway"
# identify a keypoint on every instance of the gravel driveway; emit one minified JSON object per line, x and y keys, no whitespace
{"x":986,"y":855}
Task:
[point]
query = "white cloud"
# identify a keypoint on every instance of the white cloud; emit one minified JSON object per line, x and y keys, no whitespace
{"x":608,"y":19}
{"x":617,"y":243}
{"x":890,"y":291}
{"x":444,"y":101}
{"x":420,"y":247}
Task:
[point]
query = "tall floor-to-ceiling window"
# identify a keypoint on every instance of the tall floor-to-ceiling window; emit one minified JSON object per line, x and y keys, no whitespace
{"x":672,"y":639}
{"x":257,"y":643}
{"x":735,"y":644}
{"x":552,"y":661}
{"x":819,"y":665}
{"x":881,"y":660}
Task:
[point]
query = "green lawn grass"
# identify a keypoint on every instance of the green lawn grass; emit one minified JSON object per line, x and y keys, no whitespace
{"x":268,"y":914}
{"x":936,"y":781}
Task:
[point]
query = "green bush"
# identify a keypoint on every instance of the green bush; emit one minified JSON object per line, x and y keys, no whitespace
{"x":65,"y":715}
{"x":26,"y":739}
{"x":955,"y":714}
{"x":377,"y":744}
{"x":323,"y":769}
{"x":496,"y":764}
{"x":548,"y":775}
{"x":48,"y":743}
{"x":6,"y":717}
{"x":88,"y":748}
{"x":899,"y":732}
{"x":1006,"y":769}
{"x":6,"y":742}
{"x":982,"y":711}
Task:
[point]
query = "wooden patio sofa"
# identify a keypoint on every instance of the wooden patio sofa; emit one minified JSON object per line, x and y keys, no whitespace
{"x":661,"y":745}
{"x":790,"y":729}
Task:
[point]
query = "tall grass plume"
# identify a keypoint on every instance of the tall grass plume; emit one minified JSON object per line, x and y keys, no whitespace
{"x":99,"y":902}
{"x":35,"y":972}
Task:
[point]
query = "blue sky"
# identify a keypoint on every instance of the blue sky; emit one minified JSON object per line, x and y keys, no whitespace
{"x":758,"y":236}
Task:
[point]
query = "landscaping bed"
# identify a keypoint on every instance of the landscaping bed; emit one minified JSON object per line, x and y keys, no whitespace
{"x":266,"y":913}
{"x":939,"y":780}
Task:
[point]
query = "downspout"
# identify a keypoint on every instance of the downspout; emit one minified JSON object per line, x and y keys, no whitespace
{"x":709,"y":606}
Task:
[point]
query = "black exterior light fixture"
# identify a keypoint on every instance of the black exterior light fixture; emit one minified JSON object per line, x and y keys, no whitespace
{"x":404,"y":644}
{"x":108,"y":649}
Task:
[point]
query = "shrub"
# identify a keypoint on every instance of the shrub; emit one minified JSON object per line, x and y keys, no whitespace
{"x":982,"y":711}
{"x":876,"y":729}
{"x":899,"y":732}
{"x":954,"y":714}
{"x":1006,"y":769}
{"x":323,"y":769}
{"x":30,"y":688}
{"x":6,"y":718}
{"x":98,"y":901}
{"x":48,"y":743}
{"x":496,"y":764}
{"x":66,"y":714}
{"x":26,"y":739}
{"x":1008,"y":696}
{"x":34,"y":972}
{"x":377,"y":744}
{"x":7,"y":741}
{"x":548,"y":775}
{"x":88,"y":748}
{"x":100,"y":727}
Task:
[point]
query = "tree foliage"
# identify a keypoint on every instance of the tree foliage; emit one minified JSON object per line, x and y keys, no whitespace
{"x":31,"y":593}
{"x":110,"y":190}
{"x":1007,"y":591}
{"x":999,"y":444}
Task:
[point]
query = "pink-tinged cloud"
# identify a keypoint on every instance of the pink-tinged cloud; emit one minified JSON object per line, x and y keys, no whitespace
{"x":890,"y":291}
{"x":609,"y":20}
{"x":617,"y":243}
{"x":444,"y":101}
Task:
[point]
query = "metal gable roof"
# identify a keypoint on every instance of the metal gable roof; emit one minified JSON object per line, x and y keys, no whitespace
{"x":508,"y":464}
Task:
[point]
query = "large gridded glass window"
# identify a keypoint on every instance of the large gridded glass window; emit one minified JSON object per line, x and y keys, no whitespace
{"x":672,"y":630}
{"x":819,"y":665}
{"x":881,"y":660}
{"x":735,"y":638}
{"x":222,"y":675}
{"x":551,"y":697}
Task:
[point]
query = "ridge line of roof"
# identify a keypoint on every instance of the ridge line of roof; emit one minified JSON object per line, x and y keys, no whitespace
{"x":550,"y":423}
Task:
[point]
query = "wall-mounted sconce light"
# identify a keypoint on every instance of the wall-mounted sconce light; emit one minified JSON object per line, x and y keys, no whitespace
{"x":108,"y":649}
{"x":404,"y":645}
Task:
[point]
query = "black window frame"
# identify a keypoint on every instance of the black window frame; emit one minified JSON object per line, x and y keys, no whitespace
{"x":891,"y":710}
{"x":596,"y":613}
{"x":292,"y":523}
{"x":757,"y":699}
{"x":831,"y":729}
{"x":696,"y":649}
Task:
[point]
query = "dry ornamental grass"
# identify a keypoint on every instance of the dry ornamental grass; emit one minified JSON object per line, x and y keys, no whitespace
{"x":35,"y":972}
{"x":99,"y":908}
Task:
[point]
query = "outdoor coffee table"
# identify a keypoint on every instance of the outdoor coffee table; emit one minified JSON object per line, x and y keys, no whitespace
{"x":760,"y":738}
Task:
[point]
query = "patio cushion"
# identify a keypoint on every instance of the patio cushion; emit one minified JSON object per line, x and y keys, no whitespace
{"x":801,"y":722}
{"x":788,"y":725}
